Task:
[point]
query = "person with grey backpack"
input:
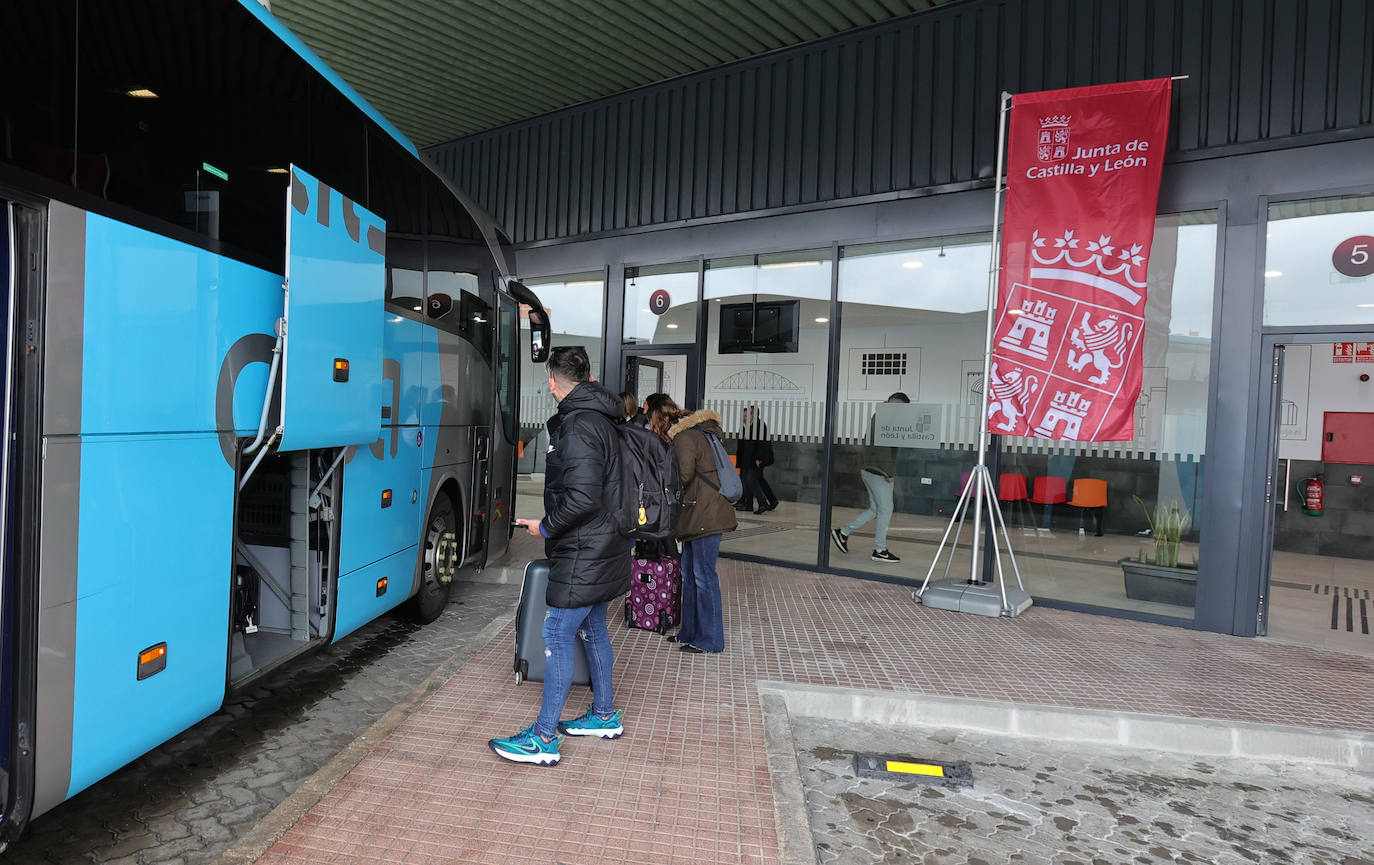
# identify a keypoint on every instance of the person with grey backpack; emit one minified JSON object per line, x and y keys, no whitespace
{"x":711,"y":486}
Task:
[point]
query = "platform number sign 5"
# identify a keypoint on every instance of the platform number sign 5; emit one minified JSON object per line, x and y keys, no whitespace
{"x":1354,"y":257}
{"x":659,"y":302}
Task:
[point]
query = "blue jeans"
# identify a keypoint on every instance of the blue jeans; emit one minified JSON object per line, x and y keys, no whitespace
{"x":879,"y":506}
{"x":560,"y":628}
{"x":703,"y":624}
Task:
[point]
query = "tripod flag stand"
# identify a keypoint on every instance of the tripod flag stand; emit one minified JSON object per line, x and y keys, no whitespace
{"x":975,"y":595}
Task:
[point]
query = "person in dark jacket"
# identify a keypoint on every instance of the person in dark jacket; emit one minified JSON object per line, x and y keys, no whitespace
{"x":879,"y":476}
{"x":589,"y":560}
{"x":706,"y":515}
{"x":755,"y":453}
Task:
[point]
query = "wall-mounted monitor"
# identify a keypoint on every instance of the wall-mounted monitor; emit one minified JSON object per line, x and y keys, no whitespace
{"x":766,"y":326}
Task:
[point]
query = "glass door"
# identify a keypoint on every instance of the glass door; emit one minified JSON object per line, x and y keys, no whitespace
{"x":671,"y":371}
{"x":1319,"y":492}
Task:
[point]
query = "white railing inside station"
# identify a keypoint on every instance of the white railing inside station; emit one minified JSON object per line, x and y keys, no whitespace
{"x":804,"y":421}
{"x":536,"y":408}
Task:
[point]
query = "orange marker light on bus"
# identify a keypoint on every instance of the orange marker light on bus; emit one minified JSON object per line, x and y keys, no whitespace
{"x":341,"y":369}
{"x":152,"y":660}
{"x":381,"y":586}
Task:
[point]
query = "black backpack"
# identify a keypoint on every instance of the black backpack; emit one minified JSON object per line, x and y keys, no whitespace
{"x":652,"y":499}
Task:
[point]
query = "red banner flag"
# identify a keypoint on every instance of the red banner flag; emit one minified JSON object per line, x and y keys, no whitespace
{"x":1083,"y":169}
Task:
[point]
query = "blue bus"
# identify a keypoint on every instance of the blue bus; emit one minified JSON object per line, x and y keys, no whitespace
{"x":260,"y":375}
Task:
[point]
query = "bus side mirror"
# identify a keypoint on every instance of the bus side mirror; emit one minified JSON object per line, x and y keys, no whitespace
{"x":540,"y":334}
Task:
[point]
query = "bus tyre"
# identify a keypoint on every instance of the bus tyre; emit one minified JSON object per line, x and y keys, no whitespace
{"x":440,"y":554}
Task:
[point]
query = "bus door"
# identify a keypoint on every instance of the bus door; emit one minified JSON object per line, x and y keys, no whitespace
{"x":481,"y":495}
{"x":505,"y":432}
{"x":6,"y":571}
{"x":21,"y":265}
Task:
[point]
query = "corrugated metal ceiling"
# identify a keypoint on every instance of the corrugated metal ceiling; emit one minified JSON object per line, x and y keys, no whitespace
{"x":440,"y":69}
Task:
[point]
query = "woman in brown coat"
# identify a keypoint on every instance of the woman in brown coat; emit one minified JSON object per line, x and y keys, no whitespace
{"x":706,"y":516}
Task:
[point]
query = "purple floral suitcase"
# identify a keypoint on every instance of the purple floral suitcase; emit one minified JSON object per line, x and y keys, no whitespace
{"x":655,"y":601}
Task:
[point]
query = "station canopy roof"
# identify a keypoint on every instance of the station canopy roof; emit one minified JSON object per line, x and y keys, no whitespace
{"x":441,"y":69}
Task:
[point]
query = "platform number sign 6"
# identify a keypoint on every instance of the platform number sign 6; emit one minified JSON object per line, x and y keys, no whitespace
{"x":1354,"y":256}
{"x":659,"y":302}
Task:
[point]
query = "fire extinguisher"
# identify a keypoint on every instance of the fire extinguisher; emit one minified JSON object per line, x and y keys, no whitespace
{"x":1312,"y":490}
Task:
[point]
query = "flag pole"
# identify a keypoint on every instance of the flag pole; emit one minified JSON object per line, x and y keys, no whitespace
{"x":979,"y":490}
{"x":994,"y":271}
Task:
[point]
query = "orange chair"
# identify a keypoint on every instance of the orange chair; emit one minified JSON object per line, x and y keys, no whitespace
{"x":1090,"y":494}
{"x":1049,"y":491}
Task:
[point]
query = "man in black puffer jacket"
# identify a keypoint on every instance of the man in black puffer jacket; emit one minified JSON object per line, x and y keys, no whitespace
{"x":589,"y":560}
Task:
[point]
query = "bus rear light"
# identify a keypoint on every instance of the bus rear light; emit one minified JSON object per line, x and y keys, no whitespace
{"x":152,"y":660}
{"x":340,"y":369}
{"x":381,"y":587}
{"x":386,"y":498}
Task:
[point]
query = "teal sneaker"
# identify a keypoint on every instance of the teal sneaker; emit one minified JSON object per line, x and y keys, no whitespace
{"x":592,"y":724}
{"x":527,"y":747}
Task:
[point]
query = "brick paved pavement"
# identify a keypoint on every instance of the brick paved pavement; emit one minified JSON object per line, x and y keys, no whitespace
{"x":689,"y":782}
{"x":186,"y":801}
{"x":1040,"y":802}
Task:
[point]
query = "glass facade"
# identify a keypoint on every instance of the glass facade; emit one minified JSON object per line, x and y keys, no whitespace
{"x":913,"y":317}
{"x":892,"y":333}
{"x":1071,"y":533}
{"x":575,"y":303}
{"x":1319,"y":262}
{"x":661,"y":304}
{"x":766,"y":360}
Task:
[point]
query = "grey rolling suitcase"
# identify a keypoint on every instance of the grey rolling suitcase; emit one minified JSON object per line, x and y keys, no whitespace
{"x":529,"y":624}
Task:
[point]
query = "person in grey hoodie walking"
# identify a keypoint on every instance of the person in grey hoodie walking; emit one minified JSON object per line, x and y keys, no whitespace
{"x":879,"y":477}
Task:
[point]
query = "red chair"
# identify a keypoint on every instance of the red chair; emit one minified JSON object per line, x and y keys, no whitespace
{"x":1011,"y":488}
{"x":1049,"y":491}
{"x":1091,"y":494}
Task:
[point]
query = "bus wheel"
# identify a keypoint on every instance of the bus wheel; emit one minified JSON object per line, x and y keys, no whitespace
{"x":439,"y":562}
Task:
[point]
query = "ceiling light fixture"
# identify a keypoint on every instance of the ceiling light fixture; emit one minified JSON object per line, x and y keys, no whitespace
{"x":912,"y":265}
{"x":141,"y":93}
{"x":672,"y":326}
{"x":1270,"y":274}
{"x":822,"y":321}
{"x":276,"y":169}
{"x":777,"y":264}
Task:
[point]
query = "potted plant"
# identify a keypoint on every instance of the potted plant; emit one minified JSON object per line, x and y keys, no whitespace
{"x":1164,"y":579}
